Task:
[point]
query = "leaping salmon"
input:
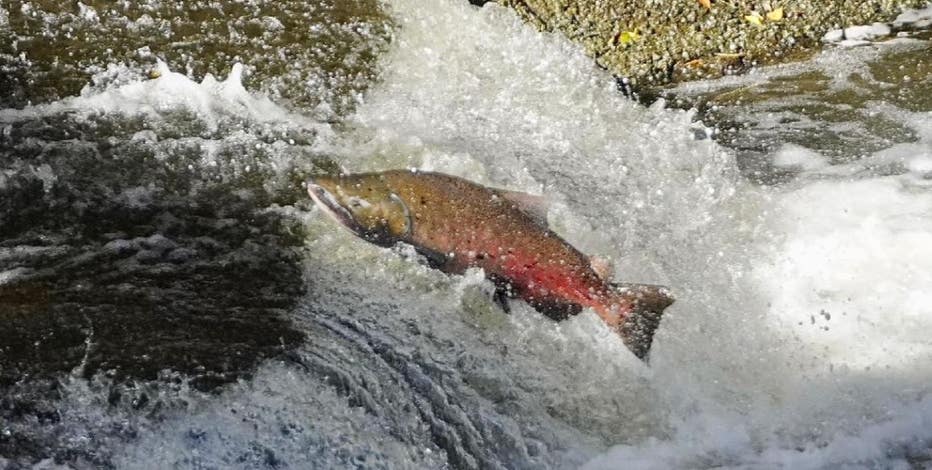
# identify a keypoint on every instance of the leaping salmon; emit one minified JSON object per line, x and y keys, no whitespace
{"x":457,"y":224}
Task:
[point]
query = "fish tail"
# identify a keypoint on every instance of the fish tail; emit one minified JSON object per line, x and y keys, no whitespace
{"x":646,"y":304}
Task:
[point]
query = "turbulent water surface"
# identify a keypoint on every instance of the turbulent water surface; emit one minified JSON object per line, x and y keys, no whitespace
{"x":169,"y":298}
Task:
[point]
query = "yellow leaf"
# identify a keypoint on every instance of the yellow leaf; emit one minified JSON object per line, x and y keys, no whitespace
{"x":706,"y":3}
{"x":628,"y":37}
{"x":755,"y":18}
{"x":776,"y":14}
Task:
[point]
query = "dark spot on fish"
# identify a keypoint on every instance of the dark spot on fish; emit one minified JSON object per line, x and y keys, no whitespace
{"x":555,"y":309}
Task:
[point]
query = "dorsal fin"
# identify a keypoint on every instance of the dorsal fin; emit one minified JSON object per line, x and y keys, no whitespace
{"x":602,"y":266}
{"x":531,"y":204}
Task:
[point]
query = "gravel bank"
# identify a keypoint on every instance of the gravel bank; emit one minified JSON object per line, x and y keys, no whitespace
{"x":658,"y":41}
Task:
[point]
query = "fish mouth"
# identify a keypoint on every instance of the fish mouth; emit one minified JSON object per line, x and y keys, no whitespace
{"x":329,"y":204}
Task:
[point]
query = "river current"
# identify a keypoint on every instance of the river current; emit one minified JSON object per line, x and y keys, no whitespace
{"x":170,"y":298}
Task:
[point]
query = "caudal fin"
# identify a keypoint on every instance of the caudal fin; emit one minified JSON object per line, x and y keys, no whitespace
{"x":638,"y":327}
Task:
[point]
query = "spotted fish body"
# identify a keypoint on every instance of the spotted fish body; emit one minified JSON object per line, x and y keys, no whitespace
{"x":458,"y":224}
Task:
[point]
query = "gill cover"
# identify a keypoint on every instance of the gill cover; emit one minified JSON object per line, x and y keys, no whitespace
{"x":365,"y":205}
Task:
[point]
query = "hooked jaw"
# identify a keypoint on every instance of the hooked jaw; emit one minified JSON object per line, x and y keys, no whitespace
{"x":365,"y":204}
{"x":332,"y":207}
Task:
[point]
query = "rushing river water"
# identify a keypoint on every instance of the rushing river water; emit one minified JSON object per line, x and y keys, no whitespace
{"x":170,"y":298}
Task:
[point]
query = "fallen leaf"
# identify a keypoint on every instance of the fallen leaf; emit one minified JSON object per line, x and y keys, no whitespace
{"x":627,"y":37}
{"x":755,"y":18}
{"x":776,"y":14}
{"x":706,"y":3}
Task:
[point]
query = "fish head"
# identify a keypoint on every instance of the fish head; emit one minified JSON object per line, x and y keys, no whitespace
{"x":365,"y":204}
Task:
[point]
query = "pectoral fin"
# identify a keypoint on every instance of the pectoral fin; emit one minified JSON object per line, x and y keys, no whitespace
{"x":500,"y":297}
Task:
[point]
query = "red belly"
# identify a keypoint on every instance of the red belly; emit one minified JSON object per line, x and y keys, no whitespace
{"x":535,"y":279}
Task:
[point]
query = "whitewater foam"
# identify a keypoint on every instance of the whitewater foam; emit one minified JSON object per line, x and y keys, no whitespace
{"x":170,"y":91}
